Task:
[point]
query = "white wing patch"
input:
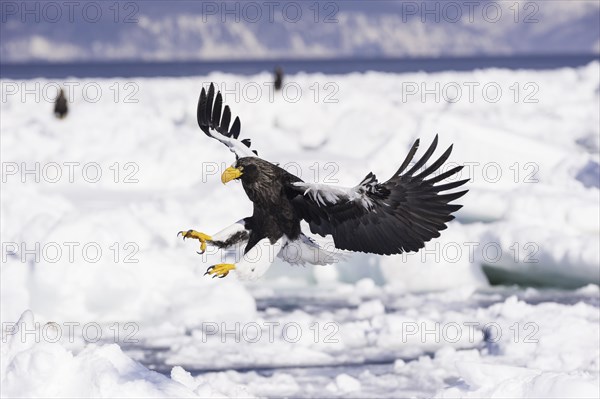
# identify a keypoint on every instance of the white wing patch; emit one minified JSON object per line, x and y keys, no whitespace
{"x":324,"y":195}
{"x":234,"y":145}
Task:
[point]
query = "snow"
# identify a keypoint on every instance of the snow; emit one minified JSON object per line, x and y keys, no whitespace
{"x":422,"y":325}
{"x":32,"y":368}
{"x":518,"y":382}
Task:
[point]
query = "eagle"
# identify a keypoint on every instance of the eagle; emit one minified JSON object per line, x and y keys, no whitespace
{"x":396,"y":216}
{"x":60,"y":105}
{"x":278,"y":83}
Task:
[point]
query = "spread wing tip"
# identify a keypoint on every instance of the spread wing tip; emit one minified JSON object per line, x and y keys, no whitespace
{"x":214,"y":119}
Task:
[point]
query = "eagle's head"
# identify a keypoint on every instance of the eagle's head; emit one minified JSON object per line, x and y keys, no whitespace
{"x":259,"y":178}
{"x":252,"y":171}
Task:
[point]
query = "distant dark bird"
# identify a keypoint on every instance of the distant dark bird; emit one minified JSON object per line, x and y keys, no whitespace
{"x":399,"y":215}
{"x":278,"y":78}
{"x":60,"y":105}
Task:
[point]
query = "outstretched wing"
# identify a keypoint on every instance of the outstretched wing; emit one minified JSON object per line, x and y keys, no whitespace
{"x":397,"y":216}
{"x":217,"y":127}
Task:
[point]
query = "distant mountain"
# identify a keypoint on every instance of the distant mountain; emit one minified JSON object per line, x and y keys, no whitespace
{"x":186,"y":30}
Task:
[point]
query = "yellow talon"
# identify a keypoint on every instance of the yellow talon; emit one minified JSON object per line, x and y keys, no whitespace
{"x":221,"y":270}
{"x":203,"y":238}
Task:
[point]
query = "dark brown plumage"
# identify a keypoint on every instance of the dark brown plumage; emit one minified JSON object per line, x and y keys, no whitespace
{"x":60,"y":105}
{"x":278,"y":78}
{"x":399,"y":215}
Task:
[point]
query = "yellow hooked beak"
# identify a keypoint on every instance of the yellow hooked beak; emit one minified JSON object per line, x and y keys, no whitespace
{"x":230,"y":174}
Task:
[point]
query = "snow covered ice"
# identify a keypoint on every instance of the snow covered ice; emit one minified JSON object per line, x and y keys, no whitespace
{"x":420,"y":325}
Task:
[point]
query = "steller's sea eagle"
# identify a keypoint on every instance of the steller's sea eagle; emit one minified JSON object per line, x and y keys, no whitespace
{"x":399,"y":215}
{"x":278,"y":78}
{"x":60,"y":105}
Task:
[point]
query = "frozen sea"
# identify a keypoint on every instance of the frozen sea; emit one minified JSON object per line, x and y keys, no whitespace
{"x":100,"y":298}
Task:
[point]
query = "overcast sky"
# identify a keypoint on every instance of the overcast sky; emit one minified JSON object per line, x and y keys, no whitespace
{"x":61,"y":31}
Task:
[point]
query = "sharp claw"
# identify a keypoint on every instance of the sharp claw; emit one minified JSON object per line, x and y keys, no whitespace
{"x":181,"y":232}
{"x":200,"y":253}
{"x":220,"y":272}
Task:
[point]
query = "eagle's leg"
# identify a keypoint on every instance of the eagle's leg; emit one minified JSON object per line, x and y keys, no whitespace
{"x":226,"y":238}
{"x":221,"y":270}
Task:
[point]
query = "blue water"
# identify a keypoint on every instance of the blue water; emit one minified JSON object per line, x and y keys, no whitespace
{"x":337,"y":66}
